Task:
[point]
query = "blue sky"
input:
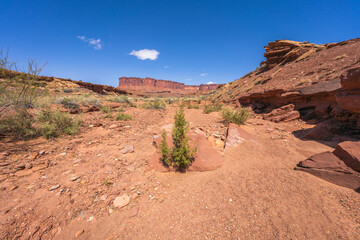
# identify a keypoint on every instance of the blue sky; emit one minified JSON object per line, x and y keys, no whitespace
{"x":190,"y":41}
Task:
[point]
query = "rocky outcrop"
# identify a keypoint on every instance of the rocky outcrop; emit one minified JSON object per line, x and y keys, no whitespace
{"x":146,"y":85}
{"x":283,"y":114}
{"x":321,"y":81}
{"x":283,"y":51}
{"x":340,"y":167}
{"x":349,"y":97}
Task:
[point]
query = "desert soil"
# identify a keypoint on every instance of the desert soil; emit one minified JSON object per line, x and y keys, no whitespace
{"x":69,"y":190}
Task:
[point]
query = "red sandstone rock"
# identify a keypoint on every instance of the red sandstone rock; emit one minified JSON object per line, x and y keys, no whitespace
{"x":237,"y":135}
{"x":150,"y":84}
{"x":330,"y":168}
{"x":349,"y":153}
{"x":322,"y":131}
{"x":351,"y":80}
{"x":283,"y":114}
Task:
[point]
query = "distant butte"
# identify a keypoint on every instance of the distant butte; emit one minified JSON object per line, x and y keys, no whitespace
{"x":150,"y":85}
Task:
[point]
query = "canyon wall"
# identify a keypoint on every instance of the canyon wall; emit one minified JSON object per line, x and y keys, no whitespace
{"x":150,"y":85}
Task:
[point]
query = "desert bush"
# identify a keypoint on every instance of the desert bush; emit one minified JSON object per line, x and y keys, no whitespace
{"x":212,"y":108}
{"x":67,"y":90}
{"x":18,"y":89}
{"x":54,"y":124}
{"x":69,"y":103}
{"x":193,"y":106}
{"x":18,"y":125}
{"x":235,"y":116}
{"x":107,"y":110}
{"x":122,"y":116}
{"x":119,"y":99}
{"x":155,"y":104}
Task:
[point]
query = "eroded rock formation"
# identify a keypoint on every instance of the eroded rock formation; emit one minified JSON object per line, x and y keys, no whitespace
{"x":150,"y":85}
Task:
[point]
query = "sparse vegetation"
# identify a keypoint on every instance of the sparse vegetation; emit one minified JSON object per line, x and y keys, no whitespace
{"x":238,"y":116}
{"x":122,"y":117}
{"x":212,"y":108}
{"x":193,"y":106}
{"x":54,"y":124}
{"x":154,"y":104}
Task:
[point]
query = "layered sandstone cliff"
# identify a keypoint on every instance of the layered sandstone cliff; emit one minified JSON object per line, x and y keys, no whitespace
{"x":150,"y":85}
{"x":321,"y":81}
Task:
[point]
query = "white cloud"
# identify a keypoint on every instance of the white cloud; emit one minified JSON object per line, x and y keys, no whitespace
{"x":166,"y":66}
{"x":188,"y":79}
{"x":204,"y":74}
{"x":210,"y":83}
{"x":95,"y":43}
{"x":144,"y":54}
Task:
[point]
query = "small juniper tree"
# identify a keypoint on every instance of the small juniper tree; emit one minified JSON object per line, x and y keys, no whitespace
{"x":165,"y":151}
{"x":182,"y":155}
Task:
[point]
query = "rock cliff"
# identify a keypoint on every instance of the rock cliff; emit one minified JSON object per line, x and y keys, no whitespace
{"x":150,"y":85}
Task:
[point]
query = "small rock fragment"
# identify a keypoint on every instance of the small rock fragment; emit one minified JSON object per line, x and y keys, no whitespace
{"x":78,"y":233}
{"x":121,"y":201}
{"x":54,"y":187}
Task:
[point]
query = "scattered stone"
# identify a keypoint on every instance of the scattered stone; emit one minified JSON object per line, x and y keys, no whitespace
{"x":217,"y":135}
{"x":54,"y":187}
{"x":113,"y":126}
{"x":127,"y":149}
{"x":74,"y":178}
{"x":63,"y":154}
{"x":121,"y":201}
{"x":78,"y":233}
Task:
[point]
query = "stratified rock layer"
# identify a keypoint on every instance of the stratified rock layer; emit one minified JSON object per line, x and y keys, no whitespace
{"x":150,"y":85}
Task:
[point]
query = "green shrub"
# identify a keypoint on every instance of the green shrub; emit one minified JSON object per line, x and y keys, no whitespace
{"x":119,"y":99}
{"x":19,"y":125}
{"x":235,"y":116}
{"x":212,"y":108}
{"x":107,"y":110}
{"x":54,"y":124}
{"x":182,"y":155}
{"x":122,"y":116}
{"x":69,"y":103}
{"x":193,"y":106}
{"x":165,"y":151}
{"x":155,"y":104}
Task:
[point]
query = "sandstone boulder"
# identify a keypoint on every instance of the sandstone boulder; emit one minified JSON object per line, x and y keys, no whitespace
{"x":349,"y":153}
{"x":331,"y":168}
{"x":237,"y":135}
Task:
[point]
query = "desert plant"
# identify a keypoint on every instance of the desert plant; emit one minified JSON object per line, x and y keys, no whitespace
{"x":212,"y":108}
{"x":54,"y":124}
{"x":235,"y":116}
{"x":18,"y":88}
{"x":155,"y":104}
{"x":69,"y":103}
{"x":193,"y":106}
{"x":107,"y":110}
{"x":18,"y":125}
{"x":182,"y":155}
{"x":165,"y":151}
{"x":122,"y":116}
